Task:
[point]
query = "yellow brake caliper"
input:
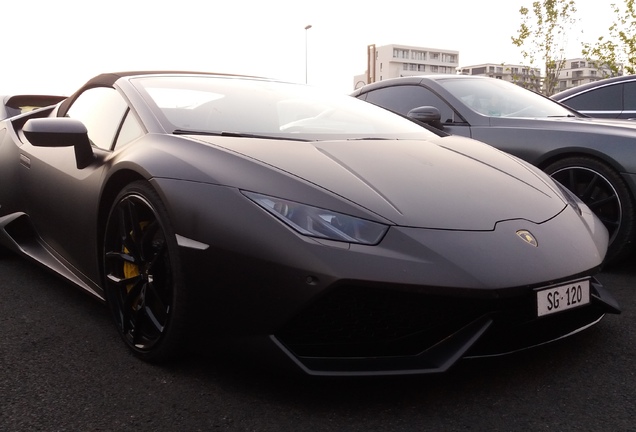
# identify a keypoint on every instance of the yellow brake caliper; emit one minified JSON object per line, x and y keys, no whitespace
{"x":131,"y":270}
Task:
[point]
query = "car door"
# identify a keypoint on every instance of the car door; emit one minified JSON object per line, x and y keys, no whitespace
{"x":63,"y":199}
{"x":401,"y":99}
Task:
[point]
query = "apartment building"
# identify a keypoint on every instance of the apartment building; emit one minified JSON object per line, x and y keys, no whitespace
{"x":392,"y":61}
{"x":579,"y":71}
{"x":521,"y":75}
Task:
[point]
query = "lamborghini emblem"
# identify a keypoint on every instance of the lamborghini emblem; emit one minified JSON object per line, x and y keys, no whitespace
{"x":527,"y":237}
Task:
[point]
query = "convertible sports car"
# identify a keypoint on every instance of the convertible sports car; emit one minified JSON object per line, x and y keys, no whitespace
{"x":340,"y":237}
{"x":594,"y":158}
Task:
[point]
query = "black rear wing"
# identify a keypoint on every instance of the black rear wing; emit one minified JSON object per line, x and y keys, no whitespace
{"x":18,"y":104}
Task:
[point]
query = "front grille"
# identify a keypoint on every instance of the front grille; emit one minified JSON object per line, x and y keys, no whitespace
{"x":359,"y":321}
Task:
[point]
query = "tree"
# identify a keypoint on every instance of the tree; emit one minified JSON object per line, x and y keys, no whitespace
{"x":542,"y":38}
{"x":618,"y":51}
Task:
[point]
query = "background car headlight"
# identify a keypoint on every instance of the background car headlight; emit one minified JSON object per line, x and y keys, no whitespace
{"x":322,"y":223}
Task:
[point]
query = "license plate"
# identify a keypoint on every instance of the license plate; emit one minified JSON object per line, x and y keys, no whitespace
{"x":563,"y":297}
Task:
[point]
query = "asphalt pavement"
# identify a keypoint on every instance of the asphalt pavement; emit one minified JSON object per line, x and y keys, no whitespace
{"x":64,"y":368}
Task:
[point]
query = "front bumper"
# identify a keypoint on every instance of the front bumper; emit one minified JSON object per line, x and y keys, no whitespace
{"x":380,"y":332}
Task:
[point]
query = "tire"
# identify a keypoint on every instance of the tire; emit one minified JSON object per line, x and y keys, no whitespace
{"x":605,"y":193}
{"x":143,"y":284}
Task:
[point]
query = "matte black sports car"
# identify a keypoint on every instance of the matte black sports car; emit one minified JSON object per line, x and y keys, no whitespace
{"x":345,"y":238}
{"x":608,"y":98}
{"x":594,"y":158}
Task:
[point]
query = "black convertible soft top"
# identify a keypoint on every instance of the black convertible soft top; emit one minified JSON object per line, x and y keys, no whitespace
{"x":109,"y":78}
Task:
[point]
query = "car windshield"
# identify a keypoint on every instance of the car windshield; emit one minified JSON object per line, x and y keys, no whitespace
{"x":497,"y":98}
{"x":262,"y":108}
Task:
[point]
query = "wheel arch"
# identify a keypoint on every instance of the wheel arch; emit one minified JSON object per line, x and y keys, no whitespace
{"x":623,"y":185}
{"x":113,"y":186}
{"x":552,"y":157}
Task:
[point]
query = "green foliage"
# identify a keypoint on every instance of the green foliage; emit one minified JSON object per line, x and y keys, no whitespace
{"x":618,"y":51}
{"x":542,"y":38}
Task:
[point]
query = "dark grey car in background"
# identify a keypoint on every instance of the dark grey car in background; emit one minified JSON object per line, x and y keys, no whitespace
{"x":608,"y":98}
{"x":594,"y":158}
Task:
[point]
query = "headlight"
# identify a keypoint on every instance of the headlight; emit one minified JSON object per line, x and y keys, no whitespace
{"x":570,"y":198}
{"x":322,"y":223}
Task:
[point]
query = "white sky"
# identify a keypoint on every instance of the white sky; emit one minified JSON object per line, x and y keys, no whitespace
{"x":54,"y":46}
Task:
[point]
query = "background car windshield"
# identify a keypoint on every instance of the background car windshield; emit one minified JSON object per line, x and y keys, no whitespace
{"x":266,"y":108}
{"x":497,"y":98}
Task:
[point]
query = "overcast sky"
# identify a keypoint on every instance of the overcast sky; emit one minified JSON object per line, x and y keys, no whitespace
{"x":54,"y":46}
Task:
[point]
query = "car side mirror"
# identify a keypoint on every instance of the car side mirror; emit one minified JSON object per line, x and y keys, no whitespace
{"x":428,"y":115}
{"x":61,"y":132}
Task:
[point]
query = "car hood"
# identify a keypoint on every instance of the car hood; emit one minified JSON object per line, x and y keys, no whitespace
{"x":450,"y":182}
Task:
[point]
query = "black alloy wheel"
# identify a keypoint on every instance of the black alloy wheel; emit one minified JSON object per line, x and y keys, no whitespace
{"x":142,"y":280}
{"x":605,"y":193}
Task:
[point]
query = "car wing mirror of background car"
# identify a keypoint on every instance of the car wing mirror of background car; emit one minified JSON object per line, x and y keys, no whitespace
{"x":61,"y":132}
{"x":428,"y":115}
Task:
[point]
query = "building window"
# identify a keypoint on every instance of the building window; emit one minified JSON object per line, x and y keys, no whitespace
{"x":448,"y":58}
{"x":400,"y":53}
{"x":434,"y":68}
{"x":418,"y":55}
{"x":421,"y":68}
{"x":434,"y":56}
{"x":405,"y":66}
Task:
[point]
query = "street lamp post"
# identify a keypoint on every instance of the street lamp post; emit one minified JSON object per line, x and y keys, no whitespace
{"x":307,"y":27}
